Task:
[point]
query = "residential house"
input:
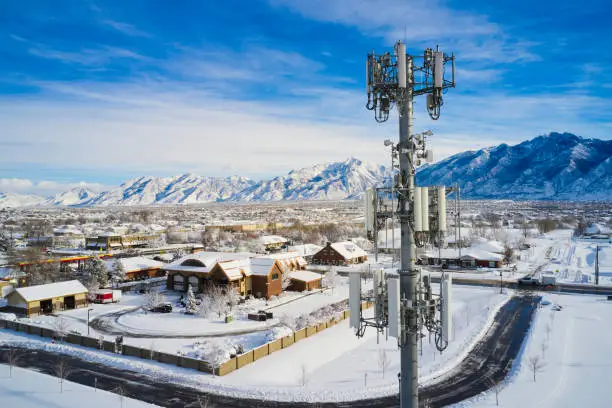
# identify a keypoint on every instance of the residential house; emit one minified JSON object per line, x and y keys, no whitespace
{"x":340,"y":253}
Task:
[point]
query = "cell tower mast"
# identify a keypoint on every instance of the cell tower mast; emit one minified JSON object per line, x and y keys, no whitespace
{"x":394,"y":80}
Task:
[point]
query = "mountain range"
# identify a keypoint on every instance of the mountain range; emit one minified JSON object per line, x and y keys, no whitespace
{"x":555,"y":166}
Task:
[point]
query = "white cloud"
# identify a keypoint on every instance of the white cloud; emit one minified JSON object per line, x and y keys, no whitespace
{"x":44,"y":187}
{"x":125,"y":28}
{"x":420,"y":22}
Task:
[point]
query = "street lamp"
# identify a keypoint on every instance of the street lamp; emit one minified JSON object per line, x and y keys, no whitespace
{"x":267,"y":292}
{"x":501,"y":282}
{"x":88,"y":311}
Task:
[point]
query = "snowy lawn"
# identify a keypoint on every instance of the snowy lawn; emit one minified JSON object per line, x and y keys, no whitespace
{"x":30,"y":389}
{"x":576,"y":358}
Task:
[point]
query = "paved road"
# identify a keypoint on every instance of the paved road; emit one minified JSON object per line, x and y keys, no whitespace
{"x":491,"y":358}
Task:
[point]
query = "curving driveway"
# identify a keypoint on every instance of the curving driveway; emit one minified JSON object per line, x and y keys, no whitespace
{"x":109,"y":323}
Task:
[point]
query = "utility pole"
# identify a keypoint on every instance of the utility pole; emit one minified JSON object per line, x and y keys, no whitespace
{"x":391,"y":80}
{"x":597,"y":266}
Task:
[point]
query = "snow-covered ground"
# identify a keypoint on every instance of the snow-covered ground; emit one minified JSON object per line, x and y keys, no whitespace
{"x":576,"y":358}
{"x":573,"y":260}
{"x":335,"y":361}
{"x":190,"y":335}
{"x":30,"y":389}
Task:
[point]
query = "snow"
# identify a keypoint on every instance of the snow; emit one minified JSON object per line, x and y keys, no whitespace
{"x":31,"y":389}
{"x":577,"y":361}
{"x":51,"y":290}
{"x":335,"y":359}
{"x":134,"y":264}
{"x":348,"y":250}
{"x":305,"y":276}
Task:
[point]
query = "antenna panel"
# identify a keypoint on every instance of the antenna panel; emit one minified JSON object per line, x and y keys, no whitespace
{"x":355,"y":299}
{"x":394,"y":304}
{"x":438,"y":69}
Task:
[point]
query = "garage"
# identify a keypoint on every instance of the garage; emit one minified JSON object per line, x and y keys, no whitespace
{"x":43,"y":299}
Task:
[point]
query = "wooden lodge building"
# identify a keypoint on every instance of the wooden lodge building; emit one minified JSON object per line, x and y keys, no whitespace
{"x":245,"y":273}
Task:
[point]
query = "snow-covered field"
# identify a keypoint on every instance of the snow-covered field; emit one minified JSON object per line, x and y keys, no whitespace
{"x":576,"y":358}
{"x":335,"y":361}
{"x":30,"y":389}
{"x":573,"y":260}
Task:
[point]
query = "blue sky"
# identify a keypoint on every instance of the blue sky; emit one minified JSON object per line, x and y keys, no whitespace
{"x":103,"y":91}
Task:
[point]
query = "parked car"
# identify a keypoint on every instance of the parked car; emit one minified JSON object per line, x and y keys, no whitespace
{"x":528,"y":280}
{"x":163,"y":308}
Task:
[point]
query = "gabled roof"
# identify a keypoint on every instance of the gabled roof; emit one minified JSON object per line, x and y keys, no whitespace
{"x":261,"y":266}
{"x":235,"y":269}
{"x":51,"y":290}
{"x":348,"y":250}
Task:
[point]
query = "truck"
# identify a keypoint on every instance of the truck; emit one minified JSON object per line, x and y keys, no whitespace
{"x":107,"y":296}
{"x":547,"y":280}
{"x":528,"y":280}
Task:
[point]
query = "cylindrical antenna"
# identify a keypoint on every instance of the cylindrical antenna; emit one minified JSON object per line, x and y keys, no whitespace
{"x":442,"y":208}
{"x":425,"y":207}
{"x":400,"y":50}
{"x":418,"y":218}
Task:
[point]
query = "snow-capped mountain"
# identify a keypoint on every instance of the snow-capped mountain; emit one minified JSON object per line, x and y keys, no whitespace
{"x":9,"y":200}
{"x":555,"y":166}
{"x":77,"y":196}
{"x":184,"y":189}
{"x":334,"y":181}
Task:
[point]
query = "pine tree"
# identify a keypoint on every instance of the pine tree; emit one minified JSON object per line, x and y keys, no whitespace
{"x":118,"y":272}
{"x":191,"y":306}
{"x":95,"y":274}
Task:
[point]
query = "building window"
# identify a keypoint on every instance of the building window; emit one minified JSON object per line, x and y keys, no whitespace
{"x":274,"y":276}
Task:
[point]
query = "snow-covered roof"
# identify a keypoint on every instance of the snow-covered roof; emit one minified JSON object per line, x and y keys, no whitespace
{"x":306,"y":249}
{"x":453,"y":253}
{"x":305,"y":276}
{"x":51,"y":290}
{"x":261,"y":265}
{"x":183,"y":268}
{"x":286,"y":258}
{"x":134,"y":264}
{"x":489,"y":246}
{"x":235,"y":269}
{"x":348,"y":250}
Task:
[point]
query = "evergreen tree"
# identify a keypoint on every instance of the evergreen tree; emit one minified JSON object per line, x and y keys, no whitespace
{"x":118,"y":272}
{"x":95,"y":274}
{"x":191,"y":306}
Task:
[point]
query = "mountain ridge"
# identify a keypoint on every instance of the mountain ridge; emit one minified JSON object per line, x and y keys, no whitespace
{"x":553,"y":166}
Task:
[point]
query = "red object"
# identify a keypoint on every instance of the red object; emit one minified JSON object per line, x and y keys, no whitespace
{"x":104,"y":297}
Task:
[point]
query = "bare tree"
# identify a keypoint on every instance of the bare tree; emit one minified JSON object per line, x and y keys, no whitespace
{"x":304,"y":376}
{"x":331,"y":278}
{"x":218,"y":299}
{"x":13,"y":357}
{"x":203,"y":402}
{"x":121,"y":392}
{"x":496,"y":387}
{"x":383,"y":361}
{"x":60,"y":327}
{"x":536,"y":365}
{"x":62,"y":370}
{"x":154,"y":298}
{"x":286,"y":280}
{"x":544,"y":347}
